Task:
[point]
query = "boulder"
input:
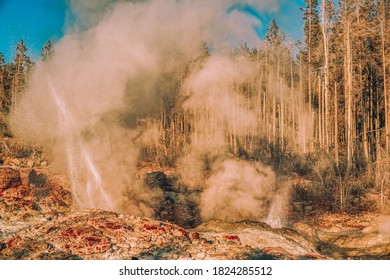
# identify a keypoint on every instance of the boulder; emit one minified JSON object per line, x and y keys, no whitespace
{"x":157,"y":179}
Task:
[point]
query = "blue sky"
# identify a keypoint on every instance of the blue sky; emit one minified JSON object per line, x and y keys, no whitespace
{"x":36,"y":21}
{"x":288,"y":17}
{"x":33,"y":21}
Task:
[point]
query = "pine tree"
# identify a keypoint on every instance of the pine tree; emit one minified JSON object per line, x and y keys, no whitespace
{"x":274,"y":36}
{"x":312,"y":55}
{"x":384,"y":23}
{"x":47,"y":51}
{"x":312,"y":31}
{"x":2,"y":85}
{"x":22,"y":65}
{"x":327,"y":13}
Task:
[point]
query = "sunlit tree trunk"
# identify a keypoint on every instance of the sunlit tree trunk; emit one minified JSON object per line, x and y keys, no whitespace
{"x":336,"y":127}
{"x":348,"y":95}
{"x":384,"y":66}
{"x":325,"y":28}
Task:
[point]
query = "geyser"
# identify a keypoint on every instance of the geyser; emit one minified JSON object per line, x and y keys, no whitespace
{"x":144,"y":62}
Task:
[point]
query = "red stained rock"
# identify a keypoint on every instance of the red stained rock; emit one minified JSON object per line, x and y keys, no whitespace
{"x":103,"y":248}
{"x":161,"y":230}
{"x":26,"y":201}
{"x":193,"y":235}
{"x":277,"y":251}
{"x":65,"y":247}
{"x":9,"y":178}
{"x":168,"y":227}
{"x":147,"y":227}
{"x":76,"y":231}
{"x":92,"y":240}
{"x":179,"y":232}
{"x":14,"y":242}
{"x":234,"y":238}
{"x":51,"y":229}
{"x":113,"y":226}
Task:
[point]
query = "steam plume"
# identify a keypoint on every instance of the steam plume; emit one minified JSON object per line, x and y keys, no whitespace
{"x":83,"y":105}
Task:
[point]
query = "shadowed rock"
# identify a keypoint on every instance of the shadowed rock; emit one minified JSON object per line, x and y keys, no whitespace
{"x":157,"y":179}
{"x":38,"y":180}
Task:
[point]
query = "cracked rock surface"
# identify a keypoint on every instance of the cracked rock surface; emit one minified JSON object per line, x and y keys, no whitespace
{"x":96,"y":234}
{"x":37,"y":222}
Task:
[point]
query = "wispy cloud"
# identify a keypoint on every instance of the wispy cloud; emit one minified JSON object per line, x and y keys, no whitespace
{"x":245,"y":8}
{"x":252,"y":11}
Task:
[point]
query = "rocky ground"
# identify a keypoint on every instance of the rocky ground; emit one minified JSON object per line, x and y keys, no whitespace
{"x":37,"y":222}
{"x":343,"y":236}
